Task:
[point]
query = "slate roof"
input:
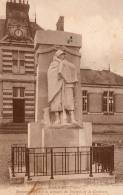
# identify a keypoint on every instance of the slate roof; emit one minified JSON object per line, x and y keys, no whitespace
{"x":104,"y":77}
{"x":35,"y":27}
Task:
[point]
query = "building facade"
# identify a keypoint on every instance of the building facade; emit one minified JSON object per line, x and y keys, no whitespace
{"x":102,"y":91}
{"x":102,"y":97}
{"x":17,"y":67}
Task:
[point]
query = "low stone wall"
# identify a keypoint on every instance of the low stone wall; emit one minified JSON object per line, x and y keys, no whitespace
{"x":6,"y":140}
{"x":118,"y":156}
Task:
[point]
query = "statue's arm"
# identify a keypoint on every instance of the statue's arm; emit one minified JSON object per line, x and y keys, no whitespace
{"x":67,"y":63}
{"x":60,"y":71}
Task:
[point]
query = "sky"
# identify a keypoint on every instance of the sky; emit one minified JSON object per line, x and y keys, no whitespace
{"x":99,"y":21}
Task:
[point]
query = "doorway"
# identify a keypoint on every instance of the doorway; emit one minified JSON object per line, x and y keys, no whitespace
{"x":18,"y":110}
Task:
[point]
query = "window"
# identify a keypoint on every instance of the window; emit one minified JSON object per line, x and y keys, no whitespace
{"x":15,"y":58}
{"x":21,"y":58}
{"x":18,"y":62}
{"x":18,"y":92}
{"x":15,"y":92}
{"x":105,"y":101}
{"x":84,"y":101}
{"x":108,"y":102}
{"x":21,"y":92}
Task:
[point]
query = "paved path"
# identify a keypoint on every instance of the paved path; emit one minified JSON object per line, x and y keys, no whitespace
{"x":53,"y":189}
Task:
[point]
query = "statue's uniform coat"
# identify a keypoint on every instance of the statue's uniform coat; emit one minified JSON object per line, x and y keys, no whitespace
{"x":62,"y":76}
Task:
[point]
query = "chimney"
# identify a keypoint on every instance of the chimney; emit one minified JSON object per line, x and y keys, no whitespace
{"x":60,"y":24}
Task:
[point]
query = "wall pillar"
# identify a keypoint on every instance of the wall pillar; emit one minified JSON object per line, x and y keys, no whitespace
{"x":1,"y":87}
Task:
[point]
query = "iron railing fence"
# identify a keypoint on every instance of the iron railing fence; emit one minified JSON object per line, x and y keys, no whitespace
{"x":51,"y":161}
{"x":103,"y":159}
{"x":18,"y":159}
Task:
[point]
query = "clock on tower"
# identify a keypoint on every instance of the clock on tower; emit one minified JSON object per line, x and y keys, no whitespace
{"x":18,"y":33}
{"x":18,"y":20}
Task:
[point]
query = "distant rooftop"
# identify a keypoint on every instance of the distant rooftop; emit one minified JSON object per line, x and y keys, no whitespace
{"x":104,"y":77}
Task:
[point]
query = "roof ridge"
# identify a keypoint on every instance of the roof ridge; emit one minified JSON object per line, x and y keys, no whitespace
{"x":90,"y":76}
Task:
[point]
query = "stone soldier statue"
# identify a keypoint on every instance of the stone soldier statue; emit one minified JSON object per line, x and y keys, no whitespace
{"x":62,"y":77}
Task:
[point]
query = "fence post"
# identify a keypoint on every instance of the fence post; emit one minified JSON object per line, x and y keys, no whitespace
{"x":111,"y":160}
{"x":51,"y":164}
{"x":78,"y":160}
{"x":65,"y":161}
{"x":12,"y":161}
{"x":27,"y":164}
{"x":46,"y":162}
{"x":91,"y":160}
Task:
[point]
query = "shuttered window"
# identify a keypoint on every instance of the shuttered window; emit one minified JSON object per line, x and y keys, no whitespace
{"x":18,"y":62}
{"x":108,"y":102}
{"x":84,"y":101}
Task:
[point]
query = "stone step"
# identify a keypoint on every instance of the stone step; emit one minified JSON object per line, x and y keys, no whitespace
{"x":15,"y":127}
{"x":101,"y":178}
{"x":12,"y":124}
{"x":13,"y":132}
{"x":8,"y":128}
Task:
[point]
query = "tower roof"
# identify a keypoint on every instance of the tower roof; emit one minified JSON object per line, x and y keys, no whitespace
{"x":33,"y":27}
{"x":17,"y":17}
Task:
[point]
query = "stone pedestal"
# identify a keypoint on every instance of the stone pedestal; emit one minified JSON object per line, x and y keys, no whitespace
{"x":71,"y":135}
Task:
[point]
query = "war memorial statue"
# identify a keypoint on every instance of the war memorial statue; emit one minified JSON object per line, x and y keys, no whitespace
{"x":58,"y":113}
{"x":62,"y":78}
